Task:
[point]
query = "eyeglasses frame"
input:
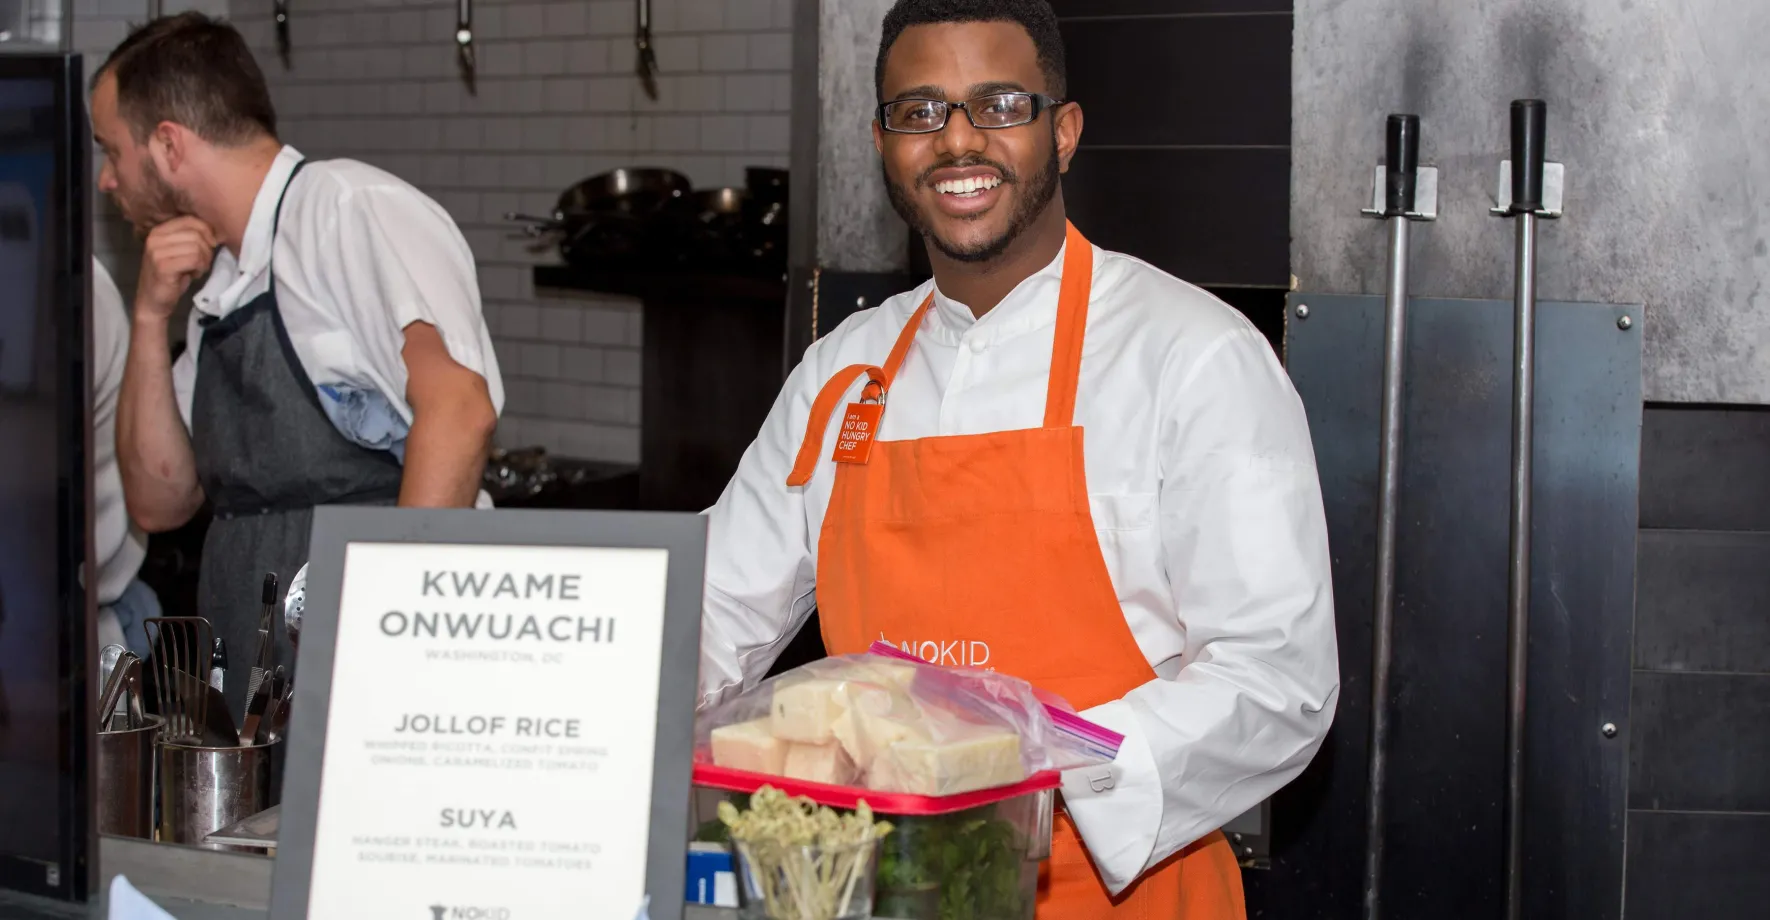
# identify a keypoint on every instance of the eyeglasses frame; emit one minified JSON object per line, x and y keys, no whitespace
{"x":1041,"y":104}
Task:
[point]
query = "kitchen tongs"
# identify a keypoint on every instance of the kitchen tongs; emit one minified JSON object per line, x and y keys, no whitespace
{"x":266,"y":651}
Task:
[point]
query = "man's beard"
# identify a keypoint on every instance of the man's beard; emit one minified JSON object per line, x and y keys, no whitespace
{"x":156,"y":203}
{"x":1036,"y":195}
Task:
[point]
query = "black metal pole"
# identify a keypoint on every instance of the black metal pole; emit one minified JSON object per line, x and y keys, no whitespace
{"x":1401,"y":167}
{"x":1528,"y":120}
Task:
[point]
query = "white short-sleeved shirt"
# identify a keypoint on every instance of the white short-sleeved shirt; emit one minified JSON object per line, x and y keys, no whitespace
{"x":118,"y":545}
{"x":1203,"y":490}
{"x":360,"y":255}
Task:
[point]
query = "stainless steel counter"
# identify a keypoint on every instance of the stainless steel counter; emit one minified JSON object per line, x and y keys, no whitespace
{"x":21,"y":907}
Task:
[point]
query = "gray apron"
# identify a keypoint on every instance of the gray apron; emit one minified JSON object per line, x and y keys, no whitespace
{"x":266,"y":455}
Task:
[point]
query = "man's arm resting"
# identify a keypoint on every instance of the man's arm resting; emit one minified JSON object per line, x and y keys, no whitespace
{"x":154,"y":455}
{"x":452,"y":423}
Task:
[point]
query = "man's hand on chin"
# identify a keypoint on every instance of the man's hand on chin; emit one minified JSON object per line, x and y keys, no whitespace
{"x":175,"y":255}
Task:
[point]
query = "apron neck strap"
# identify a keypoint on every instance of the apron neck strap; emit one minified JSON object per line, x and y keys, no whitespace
{"x":277,"y":217}
{"x":905,"y":339}
{"x":1072,"y":324}
{"x":276,"y":220}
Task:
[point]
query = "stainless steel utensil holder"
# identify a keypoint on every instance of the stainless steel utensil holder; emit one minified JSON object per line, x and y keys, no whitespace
{"x":126,"y":780}
{"x":204,"y":789}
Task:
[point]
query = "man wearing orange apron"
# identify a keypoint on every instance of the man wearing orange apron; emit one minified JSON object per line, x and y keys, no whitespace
{"x":1053,"y":461}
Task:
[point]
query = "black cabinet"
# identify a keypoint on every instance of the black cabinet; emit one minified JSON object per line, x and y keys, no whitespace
{"x":1185,"y":157}
{"x":712,"y":365}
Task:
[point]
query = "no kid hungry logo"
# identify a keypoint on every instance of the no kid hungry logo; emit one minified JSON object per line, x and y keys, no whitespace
{"x":952,"y":653}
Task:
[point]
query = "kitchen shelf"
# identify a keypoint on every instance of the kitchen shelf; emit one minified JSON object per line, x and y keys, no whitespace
{"x":582,"y":485}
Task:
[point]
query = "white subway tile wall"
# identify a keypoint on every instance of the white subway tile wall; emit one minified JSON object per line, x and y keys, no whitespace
{"x":557,"y":100}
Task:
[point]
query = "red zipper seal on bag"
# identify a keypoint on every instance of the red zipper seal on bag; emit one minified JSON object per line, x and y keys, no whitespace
{"x":1096,"y":737}
{"x":885,"y":803}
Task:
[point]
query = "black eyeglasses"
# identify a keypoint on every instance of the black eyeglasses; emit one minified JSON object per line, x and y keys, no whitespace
{"x":996,"y":110}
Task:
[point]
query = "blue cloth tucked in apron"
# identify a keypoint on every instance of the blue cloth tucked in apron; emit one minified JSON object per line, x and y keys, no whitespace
{"x":133,"y":608}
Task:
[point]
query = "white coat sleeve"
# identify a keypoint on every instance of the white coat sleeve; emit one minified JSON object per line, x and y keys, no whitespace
{"x":1244,"y":540}
{"x":394,"y":257}
{"x":184,"y":370}
{"x":761,"y":570}
{"x":110,"y":341}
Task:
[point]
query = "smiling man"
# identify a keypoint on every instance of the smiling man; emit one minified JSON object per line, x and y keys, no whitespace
{"x":1088,"y":474}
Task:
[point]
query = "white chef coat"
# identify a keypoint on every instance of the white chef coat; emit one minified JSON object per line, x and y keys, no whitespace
{"x":118,"y":545}
{"x":360,"y":255}
{"x":1204,"y":494}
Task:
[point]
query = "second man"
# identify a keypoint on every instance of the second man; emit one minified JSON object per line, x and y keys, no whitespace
{"x":337,"y":353}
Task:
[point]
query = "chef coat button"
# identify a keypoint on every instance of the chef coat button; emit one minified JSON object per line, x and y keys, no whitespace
{"x":976,"y":346}
{"x":1102,"y":781}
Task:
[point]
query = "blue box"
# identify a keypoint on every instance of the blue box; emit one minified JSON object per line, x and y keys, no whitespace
{"x":711,"y":880}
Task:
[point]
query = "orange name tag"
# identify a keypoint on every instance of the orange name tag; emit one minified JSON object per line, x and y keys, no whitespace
{"x":855,"y":441}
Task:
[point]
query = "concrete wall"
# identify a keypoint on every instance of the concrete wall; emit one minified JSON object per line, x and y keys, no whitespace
{"x":1659,"y":108}
{"x":856,"y":229}
{"x":557,"y":101}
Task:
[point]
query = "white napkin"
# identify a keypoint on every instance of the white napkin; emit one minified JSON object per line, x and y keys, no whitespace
{"x":128,"y":904}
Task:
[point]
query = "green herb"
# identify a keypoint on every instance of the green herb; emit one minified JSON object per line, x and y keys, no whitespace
{"x":963,"y":866}
{"x":714,"y":830}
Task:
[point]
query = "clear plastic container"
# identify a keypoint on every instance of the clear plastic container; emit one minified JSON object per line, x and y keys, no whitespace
{"x":806,"y":883}
{"x":973,"y":856}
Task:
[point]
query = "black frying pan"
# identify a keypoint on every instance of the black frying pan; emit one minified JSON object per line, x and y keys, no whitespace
{"x":636,"y":192}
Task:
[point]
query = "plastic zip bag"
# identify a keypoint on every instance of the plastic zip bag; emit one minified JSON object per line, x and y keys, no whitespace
{"x":1092,"y":743}
{"x":891,"y":722}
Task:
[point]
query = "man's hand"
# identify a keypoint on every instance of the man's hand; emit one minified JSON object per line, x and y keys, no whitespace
{"x":177,"y":253}
{"x":452,"y":423}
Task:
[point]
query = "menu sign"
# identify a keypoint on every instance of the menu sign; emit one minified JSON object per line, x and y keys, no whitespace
{"x":490,"y":745}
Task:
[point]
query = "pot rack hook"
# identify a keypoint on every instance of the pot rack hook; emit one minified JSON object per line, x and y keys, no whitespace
{"x":281,"y":17}
{"x":647,"y":58}
{"x":464,"y":43}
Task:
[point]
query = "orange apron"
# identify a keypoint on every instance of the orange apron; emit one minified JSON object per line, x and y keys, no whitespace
{"x":982,"y":549}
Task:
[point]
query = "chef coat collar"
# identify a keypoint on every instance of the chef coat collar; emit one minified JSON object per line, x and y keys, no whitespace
{"x":1032,"y":304}
{"x":230,"y":277}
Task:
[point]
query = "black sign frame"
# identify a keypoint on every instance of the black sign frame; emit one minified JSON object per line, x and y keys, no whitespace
{"x":683,"y":535}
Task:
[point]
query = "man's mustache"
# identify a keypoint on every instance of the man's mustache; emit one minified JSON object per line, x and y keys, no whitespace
{"x":1008,"y":175}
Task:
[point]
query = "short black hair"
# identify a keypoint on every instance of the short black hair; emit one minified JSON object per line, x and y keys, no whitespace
{"x":1035,"y":16}
{"x":194,"y":71}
